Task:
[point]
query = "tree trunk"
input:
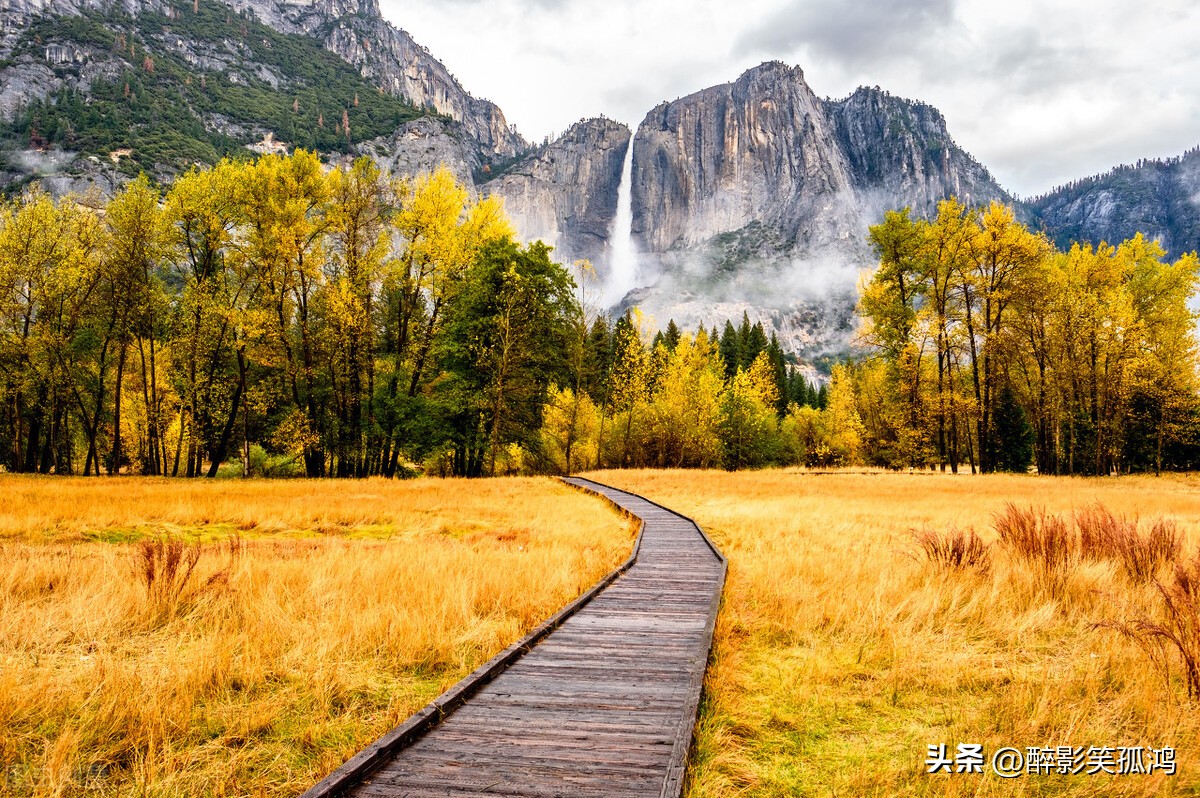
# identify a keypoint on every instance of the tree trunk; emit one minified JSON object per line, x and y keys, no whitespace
{"x":114,"y":457}
{"x":218,"y":455}
{"x":151,"y":427}
{"x":178,"y":442}
{"x":423,"y":352}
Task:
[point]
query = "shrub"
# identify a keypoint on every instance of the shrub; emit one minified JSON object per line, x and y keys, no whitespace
{"x":265,"y":464}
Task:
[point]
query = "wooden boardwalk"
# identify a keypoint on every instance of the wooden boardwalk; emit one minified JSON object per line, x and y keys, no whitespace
{"x":599,"y":701}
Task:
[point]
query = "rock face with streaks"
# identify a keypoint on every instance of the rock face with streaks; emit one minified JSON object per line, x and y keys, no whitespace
{"x":757,"y":150}
{"x":566,"y":192}
{"x":757,"y":196}
{"x":765,"y":151}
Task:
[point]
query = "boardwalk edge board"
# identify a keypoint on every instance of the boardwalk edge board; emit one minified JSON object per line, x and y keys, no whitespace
{"x":366,"y":761}
{"x":676,"y":770}
{"x":673,"y":787}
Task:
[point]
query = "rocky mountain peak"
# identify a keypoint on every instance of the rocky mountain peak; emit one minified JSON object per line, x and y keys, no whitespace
{"x":774,"y":70}
{"x":900,"y":150}
{"x":872,"y":100}
{"x":758,"y":148}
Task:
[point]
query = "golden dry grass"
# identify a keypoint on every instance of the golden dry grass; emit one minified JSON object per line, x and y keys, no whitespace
{"x":842,"y":652}
{"x":336,"y":611}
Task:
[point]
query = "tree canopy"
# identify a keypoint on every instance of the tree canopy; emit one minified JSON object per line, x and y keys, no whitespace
{"x":319,"y":321}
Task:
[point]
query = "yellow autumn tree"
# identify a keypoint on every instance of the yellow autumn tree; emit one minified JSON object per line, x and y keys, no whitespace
{"x":801,"y":436}
{"x":686,"y":411}
{"x":203,"y":212}
{"x":285,"y":205}
{"x":360,"y":210}
{"x":629,"y":392}
{"x":569,"y":434}
{"x":749,"y":425}
{"x":842,"y":427}
{"x":1163,"y":382}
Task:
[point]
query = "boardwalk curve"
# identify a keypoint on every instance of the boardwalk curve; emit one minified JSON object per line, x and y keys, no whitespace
{"x":600,"y":700}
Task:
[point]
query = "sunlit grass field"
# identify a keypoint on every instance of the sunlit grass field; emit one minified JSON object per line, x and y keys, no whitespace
{"x":842,"y":652}
{"x":307,"y":619}
{"x":319,"y":614}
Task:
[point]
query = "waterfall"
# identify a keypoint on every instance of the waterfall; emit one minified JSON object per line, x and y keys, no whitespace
{"x":622,"y":274}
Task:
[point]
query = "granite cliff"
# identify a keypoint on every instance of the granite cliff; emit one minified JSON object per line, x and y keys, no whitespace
{"x":901,"y":149}
{"x":760,"y":149}
{"x":565,"y":193}
{"x":765,"y":150}
{"x":756,"y":196}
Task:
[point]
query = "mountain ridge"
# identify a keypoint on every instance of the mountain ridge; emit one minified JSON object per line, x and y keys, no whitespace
{"x":1158,"y":197}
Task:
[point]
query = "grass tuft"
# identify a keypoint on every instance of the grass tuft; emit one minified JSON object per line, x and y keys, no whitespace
{"x":1053,"y":543}
{"x":166,"y":566}
{"x":1177,"y":627}
{"x":1044,"y":541}
{"x":955,"y":548}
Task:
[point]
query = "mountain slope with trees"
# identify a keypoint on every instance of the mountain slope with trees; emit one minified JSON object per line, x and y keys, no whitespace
{"x":95,"y":93}
{"x":236,"y":81}
{"x":1158,"y":198}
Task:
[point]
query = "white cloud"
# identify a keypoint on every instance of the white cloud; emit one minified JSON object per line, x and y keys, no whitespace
{"x":1039,"y":93}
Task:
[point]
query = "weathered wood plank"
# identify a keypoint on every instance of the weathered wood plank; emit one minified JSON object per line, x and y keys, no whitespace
{"x":599,"y":700}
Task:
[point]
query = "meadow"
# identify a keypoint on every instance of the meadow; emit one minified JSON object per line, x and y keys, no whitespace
{"x":843,"y":649}
{"x":244,"y":637}
{"x":167,"y":638}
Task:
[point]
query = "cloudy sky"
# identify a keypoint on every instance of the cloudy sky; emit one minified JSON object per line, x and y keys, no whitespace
{"x":1039,"y":92}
